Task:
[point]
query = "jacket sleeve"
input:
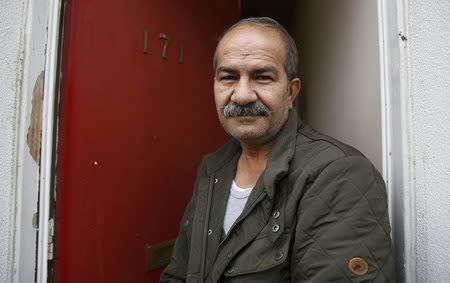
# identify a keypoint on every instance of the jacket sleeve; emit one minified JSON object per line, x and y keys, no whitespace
{"x":176,"y":271}
{"x":342,"y":232}
{"x":177,"y":268}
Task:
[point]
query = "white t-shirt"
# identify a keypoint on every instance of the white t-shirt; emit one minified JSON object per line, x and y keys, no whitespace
{"x":236,"y":202}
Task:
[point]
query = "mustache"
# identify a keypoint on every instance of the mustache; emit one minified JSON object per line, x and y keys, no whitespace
{"x":250,"y":110}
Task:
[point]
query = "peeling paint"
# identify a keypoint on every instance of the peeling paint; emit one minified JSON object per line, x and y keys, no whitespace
{"x":35,"y":127}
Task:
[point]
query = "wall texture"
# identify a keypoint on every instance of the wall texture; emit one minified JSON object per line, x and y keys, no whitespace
{"x":23,"y":37}
{"x":29,"y":138}
{"x":429,"y":45}
{"x":12,"y":21}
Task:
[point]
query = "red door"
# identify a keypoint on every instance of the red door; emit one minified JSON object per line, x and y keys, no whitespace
{"x":134,"y":123}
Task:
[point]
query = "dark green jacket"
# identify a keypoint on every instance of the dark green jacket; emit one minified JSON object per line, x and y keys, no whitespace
{"x":318,"y":213}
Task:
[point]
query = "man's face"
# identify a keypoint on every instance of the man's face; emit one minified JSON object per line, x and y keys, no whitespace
{"x":251,"y":84}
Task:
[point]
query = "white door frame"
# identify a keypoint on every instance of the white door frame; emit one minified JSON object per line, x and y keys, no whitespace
{"x":396,"y":135}
{"x":45,"y":241}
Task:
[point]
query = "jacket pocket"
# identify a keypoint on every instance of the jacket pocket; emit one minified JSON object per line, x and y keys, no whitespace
{"x":261,"y":255}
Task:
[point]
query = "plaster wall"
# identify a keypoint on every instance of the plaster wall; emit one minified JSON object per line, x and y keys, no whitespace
{"x":429,"y":48}
{"x":23,"y":34}
{"x":12,"y":18}
{"x":339,"y":60}
{"x":28,"y":132}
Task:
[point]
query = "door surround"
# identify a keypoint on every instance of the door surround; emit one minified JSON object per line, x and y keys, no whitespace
{"x":48,"y":154}
{"x":398,"y":154}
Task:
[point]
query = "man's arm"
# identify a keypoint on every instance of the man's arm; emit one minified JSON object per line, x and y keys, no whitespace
{"x":177,"y":268}
{"x":343,"y":231}
{"x":176,"y":271}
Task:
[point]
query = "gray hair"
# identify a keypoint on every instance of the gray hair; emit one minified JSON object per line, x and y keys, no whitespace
{"x":291,"y":59}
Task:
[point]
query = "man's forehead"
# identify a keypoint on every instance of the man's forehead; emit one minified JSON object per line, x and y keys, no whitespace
{"x":251,"y":44}
{"x":248,"y":33}
{"x":257,"y":56}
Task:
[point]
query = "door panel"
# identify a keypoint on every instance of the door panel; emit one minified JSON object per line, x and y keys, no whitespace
{"x":133,"y":127}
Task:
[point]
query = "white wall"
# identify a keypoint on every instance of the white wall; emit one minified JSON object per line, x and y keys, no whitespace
{"x":11,"y":57}
{"x":338,"y":43}
{"x":429,"y":48}
{"x":23,"y":36}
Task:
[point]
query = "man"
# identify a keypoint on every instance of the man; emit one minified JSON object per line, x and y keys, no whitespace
{"x":280,"y":202}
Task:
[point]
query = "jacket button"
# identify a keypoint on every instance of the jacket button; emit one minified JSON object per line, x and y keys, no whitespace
{"x":230,"y":270}
{"x":279,"y":255}
{"x":215,"y":180}
{"x":358,"y":266}
{"x":209,"y":232}
{"x":275,"y":228}
{"x":276,"y":214}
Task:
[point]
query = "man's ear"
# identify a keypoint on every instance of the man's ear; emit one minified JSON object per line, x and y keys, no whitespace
{"x":294,"y":88}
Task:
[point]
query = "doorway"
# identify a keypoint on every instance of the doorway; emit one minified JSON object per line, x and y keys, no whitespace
{"x":114,"y":64}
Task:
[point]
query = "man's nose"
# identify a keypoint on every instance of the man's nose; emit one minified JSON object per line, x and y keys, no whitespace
{"x":243,"y":93}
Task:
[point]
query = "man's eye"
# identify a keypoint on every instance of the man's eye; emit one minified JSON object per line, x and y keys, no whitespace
{"x":227,"y":78}
{"x":264,"y":78}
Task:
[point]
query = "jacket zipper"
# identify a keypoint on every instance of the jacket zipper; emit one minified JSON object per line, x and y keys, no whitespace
{"x":205,"y":229}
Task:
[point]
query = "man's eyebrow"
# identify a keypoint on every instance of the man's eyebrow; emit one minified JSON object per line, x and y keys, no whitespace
{"x":226,"y":70}
{"x":266,"y":69}
{"x":256,"y":71}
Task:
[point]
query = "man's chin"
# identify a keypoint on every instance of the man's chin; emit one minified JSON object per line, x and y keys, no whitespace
{"x":250,"y":136}
{"x":245,"y":129}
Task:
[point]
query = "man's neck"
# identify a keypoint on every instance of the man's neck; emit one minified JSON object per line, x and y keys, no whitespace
{"x":251,"y":164}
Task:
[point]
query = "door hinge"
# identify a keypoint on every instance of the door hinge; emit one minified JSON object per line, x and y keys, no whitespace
{"x":35,"y":221}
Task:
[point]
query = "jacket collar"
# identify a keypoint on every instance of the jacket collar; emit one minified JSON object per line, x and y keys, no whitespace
{"x":279,"y":158}
{"x":281,"y":154}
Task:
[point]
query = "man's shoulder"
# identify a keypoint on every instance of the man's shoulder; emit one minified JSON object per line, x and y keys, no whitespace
{"x":216,"y":160}
{"x":317,"y":150}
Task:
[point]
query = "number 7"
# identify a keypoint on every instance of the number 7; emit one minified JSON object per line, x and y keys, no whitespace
{"x":166,"y":43}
